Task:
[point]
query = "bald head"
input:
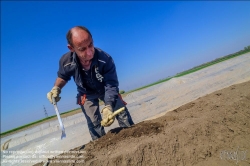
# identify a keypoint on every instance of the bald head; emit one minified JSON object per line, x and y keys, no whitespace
{"x":80,"y":41}
{"x":77,"y":31}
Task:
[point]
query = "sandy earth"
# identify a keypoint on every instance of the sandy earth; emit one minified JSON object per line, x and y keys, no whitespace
{"x":211,"y":130}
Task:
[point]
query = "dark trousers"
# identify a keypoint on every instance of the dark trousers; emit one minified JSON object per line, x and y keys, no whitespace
{"x":93,"y":115}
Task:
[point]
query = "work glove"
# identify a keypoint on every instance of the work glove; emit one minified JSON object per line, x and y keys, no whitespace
{"x":107,"y":116}
{"x":55,"y":91}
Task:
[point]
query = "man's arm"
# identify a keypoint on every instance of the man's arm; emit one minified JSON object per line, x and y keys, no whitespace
{"x":63,"y":76}
{"x":111,"y":83}
{"x":60,"y":82}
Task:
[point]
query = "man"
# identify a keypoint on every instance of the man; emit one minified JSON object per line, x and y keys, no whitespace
{"x":94,"y":73}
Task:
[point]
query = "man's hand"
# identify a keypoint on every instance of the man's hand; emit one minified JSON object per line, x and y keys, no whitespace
{"x":55,"y":91}
{"x":107,"y":118}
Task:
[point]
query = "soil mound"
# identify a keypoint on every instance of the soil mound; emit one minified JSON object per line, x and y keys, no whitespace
{"x":212,"y":130}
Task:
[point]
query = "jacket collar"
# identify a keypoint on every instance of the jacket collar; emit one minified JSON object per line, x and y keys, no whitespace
{"x":95,"y":59}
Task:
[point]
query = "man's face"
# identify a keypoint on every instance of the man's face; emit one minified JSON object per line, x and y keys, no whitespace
{"x":82,"y":45}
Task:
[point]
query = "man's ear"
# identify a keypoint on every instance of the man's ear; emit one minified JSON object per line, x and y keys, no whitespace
{"x":71,"y":48}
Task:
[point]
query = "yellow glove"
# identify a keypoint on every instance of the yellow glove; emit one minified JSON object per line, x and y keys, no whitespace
{"x":55,"y":91}
{"x":107,"y":116}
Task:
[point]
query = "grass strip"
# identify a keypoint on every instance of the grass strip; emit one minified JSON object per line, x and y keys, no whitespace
{"x":194,"y":69}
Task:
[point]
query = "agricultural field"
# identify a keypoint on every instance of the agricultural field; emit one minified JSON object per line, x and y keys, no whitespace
{"x":200,"y":118}
{"x":212,"y":130}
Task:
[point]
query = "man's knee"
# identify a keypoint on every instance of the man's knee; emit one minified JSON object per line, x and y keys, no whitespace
{"x":96,"y":130}
{"x":94,"y":124}
{"x":124,"y":119}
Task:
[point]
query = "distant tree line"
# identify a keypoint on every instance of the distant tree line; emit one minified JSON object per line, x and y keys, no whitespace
{"x":246,"y":50}
{"x":121,"y":91}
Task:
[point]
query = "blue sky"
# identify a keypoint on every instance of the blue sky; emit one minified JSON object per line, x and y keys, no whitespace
{"x":147,"y":40}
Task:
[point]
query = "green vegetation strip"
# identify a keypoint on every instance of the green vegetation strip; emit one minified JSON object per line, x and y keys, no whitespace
{"x":194,"y":69}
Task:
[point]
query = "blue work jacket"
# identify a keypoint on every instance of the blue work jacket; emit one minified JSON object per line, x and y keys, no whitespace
{"x":103,"y":75}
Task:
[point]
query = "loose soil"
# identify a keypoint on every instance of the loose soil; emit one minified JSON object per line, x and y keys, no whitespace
{"x":212,"y":130}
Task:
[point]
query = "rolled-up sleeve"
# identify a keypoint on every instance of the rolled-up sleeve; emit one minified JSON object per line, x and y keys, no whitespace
{"x":62,"y":72}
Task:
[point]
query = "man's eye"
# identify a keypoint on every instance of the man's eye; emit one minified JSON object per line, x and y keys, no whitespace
{"x":91,"y":44}
{"x":82,"y":49}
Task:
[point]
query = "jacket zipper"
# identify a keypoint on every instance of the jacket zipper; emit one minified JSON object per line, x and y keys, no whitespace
{"x":79,"y":75}
{"x":93,"y":82}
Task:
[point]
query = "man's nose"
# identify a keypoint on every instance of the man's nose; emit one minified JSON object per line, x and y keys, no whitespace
{"x":89,"y":51}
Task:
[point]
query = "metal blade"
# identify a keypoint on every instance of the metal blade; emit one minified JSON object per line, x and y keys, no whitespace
{"x":60,"y":120}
